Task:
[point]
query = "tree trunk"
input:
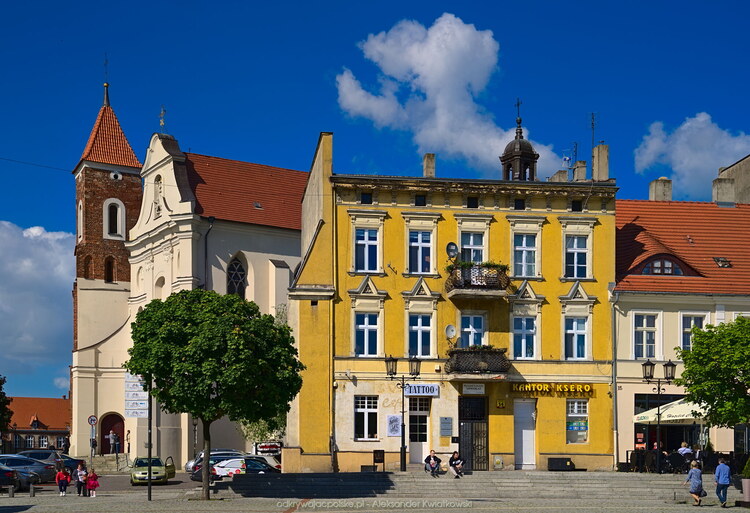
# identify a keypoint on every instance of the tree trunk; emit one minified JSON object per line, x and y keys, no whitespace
{"x":206,"y":458}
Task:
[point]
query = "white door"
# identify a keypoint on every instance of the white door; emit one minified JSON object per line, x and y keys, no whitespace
{"x":419,"y":418}
{"x":524,"y":430}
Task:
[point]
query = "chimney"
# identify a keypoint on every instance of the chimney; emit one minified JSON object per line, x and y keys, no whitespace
{"x":560,"y":176}
{"x":428,"y":165}
{"x":579,"y":171}
{"x":723,"y":191}
{"x":660,"y":189}
{"x":600,"y":172}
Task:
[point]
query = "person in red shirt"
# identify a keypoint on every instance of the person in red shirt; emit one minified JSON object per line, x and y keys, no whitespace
{"x":62,"y":478}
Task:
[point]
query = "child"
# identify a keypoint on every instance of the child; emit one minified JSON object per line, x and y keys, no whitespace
{"x":80,"y":475}
{"x":62,"y":479}
{"x":695,"y":479}
{"x":92,"y":482}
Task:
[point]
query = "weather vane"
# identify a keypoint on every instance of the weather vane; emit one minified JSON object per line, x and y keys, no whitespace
{"x":518,"y":107}
{"x":162,"y":114}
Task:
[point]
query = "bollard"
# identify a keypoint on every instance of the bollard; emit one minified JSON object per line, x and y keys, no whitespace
{"x":32,"y":491}
{"x":11,"y":491}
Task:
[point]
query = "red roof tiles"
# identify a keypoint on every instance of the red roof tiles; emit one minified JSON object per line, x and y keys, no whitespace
{"x":245,"y":192}
{"x":107,"y":143}
{"x":691,"y":233}
{"x":51,"y":412}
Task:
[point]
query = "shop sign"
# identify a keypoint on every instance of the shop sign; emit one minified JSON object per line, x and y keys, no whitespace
{"x":578,"y":425}
{"x":473,"y":388}
{"x":446,"y":426}
{"x":423,"y":390}
{"x":551,"y":389}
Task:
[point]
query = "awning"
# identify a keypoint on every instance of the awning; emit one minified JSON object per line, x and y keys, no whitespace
{"x":677,"y":412}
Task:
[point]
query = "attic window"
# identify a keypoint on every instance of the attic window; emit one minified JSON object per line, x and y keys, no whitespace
{"x":472,"y":202}
{"x":576,"y":206}
{"x":420,"y":200}
{"x":663,"y":266}
{"x":519,"y":204}
{"x":365,"y":198}
{"x":258,"y":205}
{"x":722,"y":262}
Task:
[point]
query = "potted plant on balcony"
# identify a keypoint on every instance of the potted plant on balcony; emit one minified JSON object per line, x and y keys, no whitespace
{"x":477,"y":359}
{"x":479,"y":274}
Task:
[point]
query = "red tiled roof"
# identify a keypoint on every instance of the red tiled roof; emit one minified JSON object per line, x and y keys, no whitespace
{"x":107,"y":142}
{"x":245,"y":192}
{"x":53,"y":413}
{"x":691,"y":233}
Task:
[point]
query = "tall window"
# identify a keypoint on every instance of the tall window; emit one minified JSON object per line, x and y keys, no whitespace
{"x":419,"y":252}
{"x":109,"y":269}
{"x":366,"y":334}
{"x":79,"y":224}
{"x":524,"y":254}
{"x":366,"y":250}
{"x":577,"y":421}
{"x":420,"y":335}
{"x":472,"y":247}
{"x":365,"y":417}
{"x":61,"y":442}
{"x":419,"y":412}
{"x":17,"y":441}
{"x":113,"y":221}
{"x":688,"y":321}
{"x":87,"y":267}
{"x":472,"y":330}
{"x":575,"y":338}
{"x":575,"y":256}
{"x":158,"y":192}
{"x":43,"y":441}
{"x":644,"y":335}
{"x":236,"y":278}
{"x":29,"y":441}
{"x":524,"y":335}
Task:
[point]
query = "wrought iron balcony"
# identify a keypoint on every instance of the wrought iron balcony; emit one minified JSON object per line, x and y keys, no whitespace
{"x":477,"y":280}
{"x":477,"y":360}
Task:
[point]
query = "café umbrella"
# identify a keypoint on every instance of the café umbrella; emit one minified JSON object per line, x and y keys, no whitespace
{"x":676,"y":412}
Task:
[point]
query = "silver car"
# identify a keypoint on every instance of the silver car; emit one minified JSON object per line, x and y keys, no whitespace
{"x":46,"y":471}
{"x":190,"y":465}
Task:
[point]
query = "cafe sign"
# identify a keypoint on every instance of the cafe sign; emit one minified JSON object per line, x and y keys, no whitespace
{"x":554,"y":389}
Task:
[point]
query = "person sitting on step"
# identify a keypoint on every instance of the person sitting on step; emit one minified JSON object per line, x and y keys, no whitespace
{"x":456,"y":465}
{"x":432,"y":464}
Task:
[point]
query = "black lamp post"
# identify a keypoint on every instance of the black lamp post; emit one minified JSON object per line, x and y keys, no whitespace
{"x":195,"y":435}
{"x":648,"y":376}
{"x":390,"y":369}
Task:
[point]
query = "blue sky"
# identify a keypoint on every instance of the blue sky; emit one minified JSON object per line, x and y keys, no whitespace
{"x":258,"y":81}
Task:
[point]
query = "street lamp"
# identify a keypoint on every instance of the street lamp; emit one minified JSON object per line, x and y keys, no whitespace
{"x":390,"y":369}
{"x":648,"y":377}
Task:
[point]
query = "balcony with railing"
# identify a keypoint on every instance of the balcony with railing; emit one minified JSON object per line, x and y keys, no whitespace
{"x":476,"y":280}
{"x":477,"y":360}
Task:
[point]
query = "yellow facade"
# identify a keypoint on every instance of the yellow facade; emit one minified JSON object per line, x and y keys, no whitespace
{"x":352,"y":311}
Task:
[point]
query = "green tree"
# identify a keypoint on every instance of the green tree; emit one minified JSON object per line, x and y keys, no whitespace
{"x":5,"y":412}
{"x":212,"y":355}
{"x":717,"y":372}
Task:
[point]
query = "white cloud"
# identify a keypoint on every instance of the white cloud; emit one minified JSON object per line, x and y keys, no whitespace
{"x":694,"y":151}
{"x":37,"y":270}
{"x":439,"y":71}
{"x":62,"y":383}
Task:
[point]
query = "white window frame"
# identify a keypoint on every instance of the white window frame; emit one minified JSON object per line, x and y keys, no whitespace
{"x":577,"y":253}
{"x":525,"y":251}
{"x":18,"y":441}
{"x":577,"y":410}
{"x":366,"y":243}
{"x":684,"y":330}
{"x":365,"y":410}
{"x":577,"y":226}
{"x":366,"y":219}
{"x":366,"y":328}
{"x":472,"y":330}
{"x":43,"y":441}
{"x":120,"y":235}
{"x":473,"y":246}
{"x":658,"y":351}
{"x":524,"y":333}
{"x":29,"y":441}
{"x":421,"y":332}
{"x":575,"y":332}
{"x":421,"y":248}
{"x":60,"y":442}
{"x":525,"y":224}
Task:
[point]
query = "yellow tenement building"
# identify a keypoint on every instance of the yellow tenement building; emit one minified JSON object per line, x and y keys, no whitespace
{"x":516,"y":361}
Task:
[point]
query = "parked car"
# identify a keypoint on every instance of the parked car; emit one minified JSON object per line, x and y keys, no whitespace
{"x":190,"y":465}
{"x":271,"y":460}
{"x":46,"y":471}
{"x":196,"y":474}
{"x":71,"y":463}
{"x":161,"y":471}
{"x":246,"y":465}
{"x":46,"y":455}
{"x":27,"y":479}
{"x":9,"y":478}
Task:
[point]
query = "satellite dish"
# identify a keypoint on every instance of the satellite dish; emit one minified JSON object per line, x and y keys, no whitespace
{"x":450,"y":331}
{"x":452,"y":250}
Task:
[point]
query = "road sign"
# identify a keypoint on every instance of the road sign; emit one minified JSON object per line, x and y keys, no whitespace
{"x":92,"y":420}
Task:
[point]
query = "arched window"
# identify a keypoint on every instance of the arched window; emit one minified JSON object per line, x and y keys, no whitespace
{"x":236,"y":278}
{"x":114,"y":219}
{"x":159,"y":288}
{"x":114,"y":214}
{"x":79,"y":224}
{"x":663,"y":266}
{"x":87,"y":267}
{"x":109,"y":270}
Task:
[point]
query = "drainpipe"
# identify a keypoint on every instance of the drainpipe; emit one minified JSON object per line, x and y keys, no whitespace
{"x":616,"y":432}
{"x":331,"y":330}
{"x":211,"y":220}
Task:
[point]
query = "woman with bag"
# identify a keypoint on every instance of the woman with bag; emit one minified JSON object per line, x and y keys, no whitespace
{"x":695,"y":478}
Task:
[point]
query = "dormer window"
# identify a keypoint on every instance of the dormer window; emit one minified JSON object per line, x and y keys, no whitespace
{"x":663,"y":266}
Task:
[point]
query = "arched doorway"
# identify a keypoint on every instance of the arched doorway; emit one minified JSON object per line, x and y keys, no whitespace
{"x":111,"y":422}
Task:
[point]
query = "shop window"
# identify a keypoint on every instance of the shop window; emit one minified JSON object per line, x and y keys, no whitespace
{"x":644,"y":335}
{"x":365,"y":417}
{"x":577,"y":421}
{"x":420,"y":248}
{"x":472,"y":247}
{"x":688,"y":322}
{"x":420,"y":335}
{"x":366,"y":250}
{"x":524,"y":337}
{"x":366,"y":334}
{"x":472,"y":330}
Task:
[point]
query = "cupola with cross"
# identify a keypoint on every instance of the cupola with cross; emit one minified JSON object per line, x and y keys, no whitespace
{"x":519,"y":158}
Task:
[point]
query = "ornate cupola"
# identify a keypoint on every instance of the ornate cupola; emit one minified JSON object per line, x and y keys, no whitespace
{"x":519,"y":158}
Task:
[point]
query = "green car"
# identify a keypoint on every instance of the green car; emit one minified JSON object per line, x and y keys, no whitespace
{"x":161,"y":471}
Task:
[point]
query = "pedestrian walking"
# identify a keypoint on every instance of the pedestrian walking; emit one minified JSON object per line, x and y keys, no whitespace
{"x":723,"y":478}
{"x":114,"y":442}
{"x":127,"y":440}
{"x":80,"y":475}
{"x":695,"y":479}
{"x":456,"y":465}
{"x":92,"y":482}
{"x":62,"y":478}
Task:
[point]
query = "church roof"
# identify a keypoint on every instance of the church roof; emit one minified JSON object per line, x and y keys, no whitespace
{"x":52,"y":412}
{"x":107,"y":143}
{"x":706,"y":240}
{"x":244,"y":192}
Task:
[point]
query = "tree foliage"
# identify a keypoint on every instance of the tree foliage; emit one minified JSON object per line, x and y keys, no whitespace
{"x":717,"y":372}
{"x":212,"y":355}
{"x":5,"y":412}
{"x":263,"y":430}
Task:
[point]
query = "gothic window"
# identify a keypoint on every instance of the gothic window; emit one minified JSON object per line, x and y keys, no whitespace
{"x":236,"y":278}
{"x":109,"y":270}
{"x":114,"y":213}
